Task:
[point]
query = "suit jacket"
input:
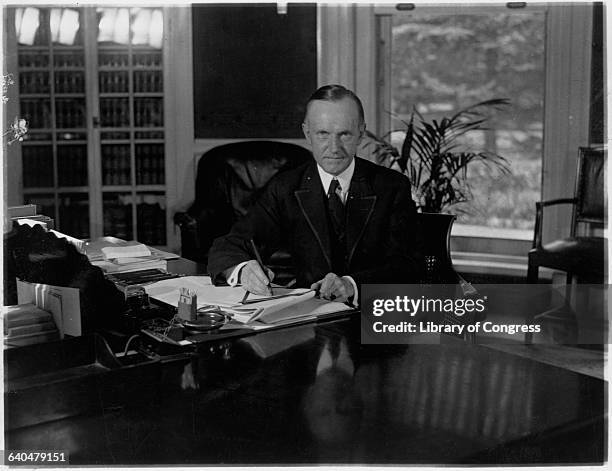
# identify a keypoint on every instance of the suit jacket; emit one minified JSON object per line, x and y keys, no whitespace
{"x":383,"y":241}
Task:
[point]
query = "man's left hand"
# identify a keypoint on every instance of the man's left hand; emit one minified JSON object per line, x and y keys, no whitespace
{"x":334,"y":288}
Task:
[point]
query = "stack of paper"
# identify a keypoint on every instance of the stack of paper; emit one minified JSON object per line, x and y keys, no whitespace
{"x":28,"y":214}
{"x":93,"y":248}
{"x":288,"y":305}
{"x":118,"y":256}
{"x":130,"y":264}
{"x":26,"y":324}
{"x":127,"y":251}
{"x":62,"y":302}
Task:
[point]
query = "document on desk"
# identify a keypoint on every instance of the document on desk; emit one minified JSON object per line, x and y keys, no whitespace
{"x":294,"y":305}
{"x":94,"y":249}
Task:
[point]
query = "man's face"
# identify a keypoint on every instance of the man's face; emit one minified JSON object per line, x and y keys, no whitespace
{"x":333,"y":130}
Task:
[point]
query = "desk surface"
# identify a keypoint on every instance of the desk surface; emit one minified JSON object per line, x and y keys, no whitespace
{"x":324,"y":398}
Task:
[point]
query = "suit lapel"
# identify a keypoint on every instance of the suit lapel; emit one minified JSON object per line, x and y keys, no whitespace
{"x":311,"y":201}
{"x":359,"y":206}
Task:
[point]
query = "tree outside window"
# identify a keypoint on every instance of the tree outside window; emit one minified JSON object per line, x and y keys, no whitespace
{"x":442,"y":63}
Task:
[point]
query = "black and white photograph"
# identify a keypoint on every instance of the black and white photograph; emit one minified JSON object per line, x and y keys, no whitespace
{"x":305,"y":234}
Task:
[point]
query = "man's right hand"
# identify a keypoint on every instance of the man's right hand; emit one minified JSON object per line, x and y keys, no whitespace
{"x":254,"y":280}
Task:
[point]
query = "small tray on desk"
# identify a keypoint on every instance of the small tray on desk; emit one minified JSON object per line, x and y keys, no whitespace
{"x":73,"y":376}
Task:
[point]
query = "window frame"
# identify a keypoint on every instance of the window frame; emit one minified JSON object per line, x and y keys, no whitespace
{"x":565,"y":104}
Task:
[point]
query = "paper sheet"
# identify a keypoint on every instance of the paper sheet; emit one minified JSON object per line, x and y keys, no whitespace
{"x":167,"y":291}
{"x":279,"y":310}
{"x":128,"y":251}
{"x":274,"y":311}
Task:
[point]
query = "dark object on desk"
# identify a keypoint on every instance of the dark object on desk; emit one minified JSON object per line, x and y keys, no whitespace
{"x":438,"y":266}
{"x":73,"y":376}
{"x":580,"y":256}
{"x":37,"y":256}
{"x":229,"y":178}
{"x":141,"y":276}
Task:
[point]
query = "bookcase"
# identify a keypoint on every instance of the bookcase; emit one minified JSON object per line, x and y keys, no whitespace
{"x":93,"y":86}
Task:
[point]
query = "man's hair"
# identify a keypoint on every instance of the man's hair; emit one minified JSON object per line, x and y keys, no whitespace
{"x":336,"y":93}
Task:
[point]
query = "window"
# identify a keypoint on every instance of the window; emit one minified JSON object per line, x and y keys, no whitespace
{"x":439,"y":62}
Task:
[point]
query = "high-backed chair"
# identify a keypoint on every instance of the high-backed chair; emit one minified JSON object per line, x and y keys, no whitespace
{"x":582,"y":256}
{"x":229,"y":179}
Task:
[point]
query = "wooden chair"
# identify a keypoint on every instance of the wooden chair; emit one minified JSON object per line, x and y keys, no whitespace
{"x":579,"y":256}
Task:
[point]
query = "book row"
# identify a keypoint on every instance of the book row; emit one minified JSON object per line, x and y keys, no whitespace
{"x":74,"y":217}
{"x":115,"y":112}
{"x":116,"y":169}
{"x":149,"y":81}
{"x":64,"y":82}
{"x":151,"y":220}
{"x":122,"y":59}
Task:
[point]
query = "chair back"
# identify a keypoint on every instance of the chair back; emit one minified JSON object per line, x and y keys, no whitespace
{"x":590,"y":198}
{"x":237,"y":172}
{"x":229,"y":179}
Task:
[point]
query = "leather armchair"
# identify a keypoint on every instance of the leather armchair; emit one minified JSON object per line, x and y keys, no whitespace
{"x":229,"y":179}
{"x":580,"y":256}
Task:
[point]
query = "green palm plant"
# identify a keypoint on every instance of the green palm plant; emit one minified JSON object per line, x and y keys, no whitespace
{"x":436,"y":160}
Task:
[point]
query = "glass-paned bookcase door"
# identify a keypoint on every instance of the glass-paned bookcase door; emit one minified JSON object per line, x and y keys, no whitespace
{"x":131,"y":104}
{"x":91,"y":87}
{"x":52,"y":98}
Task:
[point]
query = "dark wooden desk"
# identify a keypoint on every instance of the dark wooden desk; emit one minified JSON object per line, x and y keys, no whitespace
{"x":328,"y":399}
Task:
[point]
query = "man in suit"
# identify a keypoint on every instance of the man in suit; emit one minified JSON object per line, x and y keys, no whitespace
{"x":345,"y":220}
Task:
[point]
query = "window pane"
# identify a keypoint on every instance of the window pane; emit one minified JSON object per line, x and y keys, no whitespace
{"x":74,"y":214}
{"x":118,"y":215}
{"x":151,"y":218}
{"x":442,"y":63}
{"x":72,"y":165}
{"x":37,"y":166}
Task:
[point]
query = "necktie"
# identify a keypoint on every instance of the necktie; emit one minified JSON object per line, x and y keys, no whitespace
{"x":336,"y":208}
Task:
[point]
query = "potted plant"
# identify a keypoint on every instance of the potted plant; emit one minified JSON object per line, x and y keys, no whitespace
{"x":436,"y":158}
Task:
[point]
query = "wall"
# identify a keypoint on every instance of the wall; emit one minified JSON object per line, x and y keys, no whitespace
{"x":253,"y":69}
{"x":597,"y":130}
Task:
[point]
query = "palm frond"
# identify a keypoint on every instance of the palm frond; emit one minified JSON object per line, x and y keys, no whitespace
{"x":436,"y":160}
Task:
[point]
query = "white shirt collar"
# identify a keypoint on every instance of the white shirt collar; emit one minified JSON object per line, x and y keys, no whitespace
{"x":344,"y":178}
